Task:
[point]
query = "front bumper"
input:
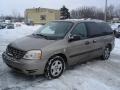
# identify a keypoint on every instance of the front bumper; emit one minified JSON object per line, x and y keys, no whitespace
{"x":29,"y":67}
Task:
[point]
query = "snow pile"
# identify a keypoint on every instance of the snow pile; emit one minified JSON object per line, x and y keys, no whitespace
{"x":18,"y":32}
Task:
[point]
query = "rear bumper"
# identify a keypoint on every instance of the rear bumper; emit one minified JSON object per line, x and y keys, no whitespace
{"x":29,"y":67}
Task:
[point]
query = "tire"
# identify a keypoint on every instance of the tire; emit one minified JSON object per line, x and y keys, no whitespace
{"x":106,"y":53}
{"x":55,"y":67}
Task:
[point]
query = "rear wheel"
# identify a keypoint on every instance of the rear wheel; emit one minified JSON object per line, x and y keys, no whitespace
{"x":106,"y":53}
{"x":54,"y":67}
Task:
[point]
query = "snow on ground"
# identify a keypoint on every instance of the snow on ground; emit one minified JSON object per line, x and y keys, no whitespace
{"x":12,"y":34}
{"x":94,"y":75}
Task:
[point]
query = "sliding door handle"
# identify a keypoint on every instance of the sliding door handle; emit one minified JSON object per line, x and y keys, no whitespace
{"x":87,"y":43}
{"x":94,"y":41}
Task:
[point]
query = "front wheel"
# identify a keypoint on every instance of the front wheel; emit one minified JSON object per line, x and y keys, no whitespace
{"x":106,"y":54}
{"x":54,"y":67}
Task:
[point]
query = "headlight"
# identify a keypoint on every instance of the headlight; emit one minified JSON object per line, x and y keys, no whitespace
{"x":34,"y":54}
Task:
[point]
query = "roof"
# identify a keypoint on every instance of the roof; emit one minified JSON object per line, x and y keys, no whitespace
{"x":82,"y":20}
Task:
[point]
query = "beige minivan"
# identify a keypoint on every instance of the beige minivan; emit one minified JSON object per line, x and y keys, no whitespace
{"x":59,"y":44}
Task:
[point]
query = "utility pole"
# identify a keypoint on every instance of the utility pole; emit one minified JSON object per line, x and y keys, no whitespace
{"x":105,"y":17}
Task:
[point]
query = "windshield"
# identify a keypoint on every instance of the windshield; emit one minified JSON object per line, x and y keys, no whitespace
{"x":54,"y":30}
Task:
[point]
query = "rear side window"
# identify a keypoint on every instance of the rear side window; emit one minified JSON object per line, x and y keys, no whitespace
{"x":93,"y":29}
{"x":106,"y":28}
{"x":80,"y":30}
{"x":98,"y":29}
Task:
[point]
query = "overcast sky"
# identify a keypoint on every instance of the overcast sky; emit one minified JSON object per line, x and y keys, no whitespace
{"x":7,"y":7}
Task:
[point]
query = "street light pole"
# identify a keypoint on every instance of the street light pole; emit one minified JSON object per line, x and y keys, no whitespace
{"x":105,"y":17}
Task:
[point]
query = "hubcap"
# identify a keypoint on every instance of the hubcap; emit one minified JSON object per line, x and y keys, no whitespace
{"x":56,"y":68}
{"x":107,"y":53}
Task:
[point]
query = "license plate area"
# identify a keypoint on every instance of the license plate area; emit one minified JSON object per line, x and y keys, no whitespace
{"x":9,"y":58}
{"x":11,"y":61}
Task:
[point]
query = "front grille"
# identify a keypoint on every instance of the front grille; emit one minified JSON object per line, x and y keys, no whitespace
{"x":15,"y":53}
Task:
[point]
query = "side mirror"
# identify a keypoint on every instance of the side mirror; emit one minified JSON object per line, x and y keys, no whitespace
{"x":74,"y":38}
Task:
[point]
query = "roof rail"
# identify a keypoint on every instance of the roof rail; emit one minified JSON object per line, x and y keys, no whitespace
{"x":85,"y":19}
{"x":80,"y":19}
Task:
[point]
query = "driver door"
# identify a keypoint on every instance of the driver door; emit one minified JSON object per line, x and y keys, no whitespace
{"x":78,"y":50}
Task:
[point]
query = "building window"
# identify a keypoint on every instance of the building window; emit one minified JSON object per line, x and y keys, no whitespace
{"x":43,"y":17}
{"x":51,"y":11}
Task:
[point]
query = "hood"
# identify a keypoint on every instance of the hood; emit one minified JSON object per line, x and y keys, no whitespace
{"x":31,"y":43}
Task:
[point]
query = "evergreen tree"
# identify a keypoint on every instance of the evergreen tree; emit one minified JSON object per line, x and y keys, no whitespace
{"x":64,"y":13}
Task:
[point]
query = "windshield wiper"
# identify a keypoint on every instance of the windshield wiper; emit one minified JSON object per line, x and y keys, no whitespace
{"x":41,"y":35}
{"x":47,"y":37}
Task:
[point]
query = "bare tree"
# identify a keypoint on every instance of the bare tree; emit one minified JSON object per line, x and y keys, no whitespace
{"x":117,"y":12}
{"x":96,"y":13}
{"x":16,"y":17}
{"x":87,"y":12}
{"x":15,"y":14}
{"x":110,"y":12}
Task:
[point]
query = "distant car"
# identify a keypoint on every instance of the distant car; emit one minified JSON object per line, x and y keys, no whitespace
{"x":2,"y":26}
{"x":117,"y":34}
{"x":18,"y":25}
{"x":116,"y":28}
{"x":10,"y":26}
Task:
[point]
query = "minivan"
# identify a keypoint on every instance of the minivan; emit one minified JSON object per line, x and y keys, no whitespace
{"x":59,"y":44}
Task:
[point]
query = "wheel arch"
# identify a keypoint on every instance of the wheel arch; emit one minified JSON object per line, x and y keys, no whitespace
{"x":58,"y":54}
{"x":61,"y":55}
{"x":46,"y":73}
